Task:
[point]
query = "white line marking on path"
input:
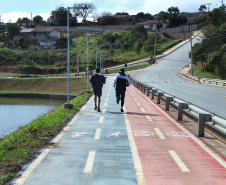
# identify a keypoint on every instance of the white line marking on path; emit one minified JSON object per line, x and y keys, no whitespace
{"x":159,"y":133}
{"x":97,"y":134}
{"x":138,"y":104}
{"x":104,"y":111}
{"x":89,"y":162}
{"x":142,"y":110}
{"x":107,"y":99}
{"x":105,"y":104}
{"x":101,"y":119}
{"x":136,"y":159}
{"x":179,"y":162}
{"x":201,"y":144}
{"x":135,"y":99}
{"x":149,"y":118}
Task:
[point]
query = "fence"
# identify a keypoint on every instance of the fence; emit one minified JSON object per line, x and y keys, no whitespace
{"x":179,"y":29}
{"x":204,"y":118}
{"x":48,"y":43}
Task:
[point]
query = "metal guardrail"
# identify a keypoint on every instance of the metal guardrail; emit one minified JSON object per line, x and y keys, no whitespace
{"x":205,"y":118}
{"x":205,"y":80}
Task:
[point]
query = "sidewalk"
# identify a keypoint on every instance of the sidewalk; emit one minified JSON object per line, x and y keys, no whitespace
{"x":140,"y":146}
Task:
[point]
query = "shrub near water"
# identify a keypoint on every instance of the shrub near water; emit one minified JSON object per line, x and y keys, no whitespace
{"x":20,"y":147}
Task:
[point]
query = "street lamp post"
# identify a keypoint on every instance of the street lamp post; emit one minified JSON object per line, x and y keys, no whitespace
{"x":87,"y":64}
{"x":191,"y":52}
{"x":77,"y":52}
{"x":96,"y":56}
{"x":68,"y":105}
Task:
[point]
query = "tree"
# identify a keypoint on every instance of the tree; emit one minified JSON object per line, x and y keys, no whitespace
{"x":107,"y":19}
{"x":22,"y":42}
{"x":59,"y":17}
{"x":219,"y":57}
{"x":34,"y":41}
{"x":202,"y":8}
{"x":83,"y":10}
{"x":121,"y":13}
{"x":217,"y":16}
{"x":12,"y":30}
{"x":37,"y":19}
{"x":148,"y":16}
{"x":174,"y":16}
{"x":139,"y":33}
{"x":163,"y":16}
{"x":140,"y":15}
{"x":199,"y":53}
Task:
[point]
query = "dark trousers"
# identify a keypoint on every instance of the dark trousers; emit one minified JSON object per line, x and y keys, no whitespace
{"x":121,"y":95}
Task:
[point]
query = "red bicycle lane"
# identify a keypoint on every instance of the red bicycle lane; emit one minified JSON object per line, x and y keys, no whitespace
{"x":169,"y":154}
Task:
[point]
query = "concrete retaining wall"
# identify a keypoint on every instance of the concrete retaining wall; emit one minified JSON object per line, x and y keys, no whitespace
{"x":33,"y":95}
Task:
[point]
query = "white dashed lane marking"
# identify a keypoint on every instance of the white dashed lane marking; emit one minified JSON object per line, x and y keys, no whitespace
{"x":142,"y":110}
{"x":97,"y":134}
{"x":89,"y":162}
{"x":101,"y":119}
{"x":149,"y":118}
{"x":179,"y":162}
{"x":159,"y":133}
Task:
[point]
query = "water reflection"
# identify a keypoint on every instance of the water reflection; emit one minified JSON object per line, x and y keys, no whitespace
{"x":18,"y":112}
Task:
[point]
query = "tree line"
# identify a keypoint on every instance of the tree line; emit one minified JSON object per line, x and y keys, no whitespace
{"x":212,"y":50}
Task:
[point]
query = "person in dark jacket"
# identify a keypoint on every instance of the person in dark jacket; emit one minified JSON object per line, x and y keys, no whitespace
{"x":120,"y":83}
{"x":97,"y":80}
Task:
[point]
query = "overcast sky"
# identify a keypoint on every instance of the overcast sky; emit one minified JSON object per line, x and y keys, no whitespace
{"x":11,"y":10}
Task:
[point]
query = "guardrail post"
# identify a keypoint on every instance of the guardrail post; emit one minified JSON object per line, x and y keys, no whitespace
{"x":168,"y":100}
{"x":144,"y":88}
{"x":159,"y":95}
{"x":153,"y":93}
{"x":148,"y":90}
{"x":202,"y":119}
{"x":180,"y":110}
{"x":141,"y":87}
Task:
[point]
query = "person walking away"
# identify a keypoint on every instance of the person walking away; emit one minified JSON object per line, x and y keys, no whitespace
{"x":121,"y":81}
{"x":97,"y":80}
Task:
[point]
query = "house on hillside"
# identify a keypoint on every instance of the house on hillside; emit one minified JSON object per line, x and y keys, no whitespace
{"x":41,"y":35}
{"x":24,"y":23}
{"x":152,"y":25}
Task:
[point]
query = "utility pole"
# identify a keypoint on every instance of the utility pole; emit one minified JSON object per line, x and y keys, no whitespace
{"x":155,"y":43}
{"x":208,"y":6}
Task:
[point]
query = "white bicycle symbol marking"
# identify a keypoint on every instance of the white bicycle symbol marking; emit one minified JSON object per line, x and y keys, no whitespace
{"x":143,"y":133}
{"x":147,"y":133}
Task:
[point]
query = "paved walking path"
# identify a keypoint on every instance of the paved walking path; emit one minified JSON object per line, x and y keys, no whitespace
{"x":140,"y":146}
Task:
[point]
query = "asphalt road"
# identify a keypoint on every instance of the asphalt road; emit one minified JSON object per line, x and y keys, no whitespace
{"x":163,"y":75}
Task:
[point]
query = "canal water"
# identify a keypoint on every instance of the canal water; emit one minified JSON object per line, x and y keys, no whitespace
{"x":18,"y":112}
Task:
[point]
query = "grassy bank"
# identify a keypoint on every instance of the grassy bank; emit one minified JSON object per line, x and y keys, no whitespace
{"x":43,"y":85}
{"x":130,"y":68}
{"x":54,"y":60}
{"x":20,"y":148}
{"x":200,"y":73}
